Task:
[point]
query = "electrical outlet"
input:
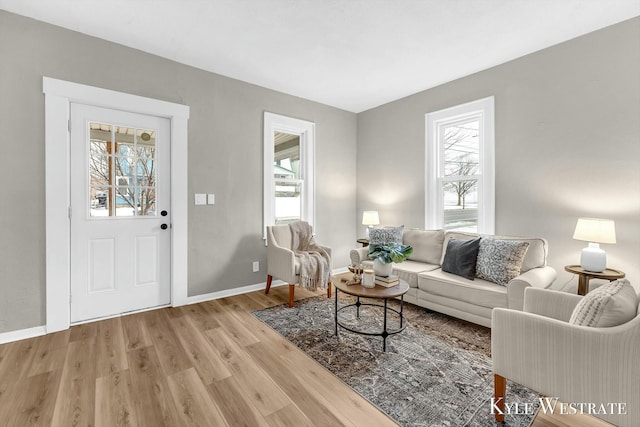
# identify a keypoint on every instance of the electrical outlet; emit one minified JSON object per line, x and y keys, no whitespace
{"x":256,"y":266}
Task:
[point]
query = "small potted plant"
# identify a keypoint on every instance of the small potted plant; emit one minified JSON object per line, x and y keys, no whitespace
{"x":385,"y":254}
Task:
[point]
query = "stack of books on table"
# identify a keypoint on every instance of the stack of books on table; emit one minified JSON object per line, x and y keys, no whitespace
{"x":387,"y":281}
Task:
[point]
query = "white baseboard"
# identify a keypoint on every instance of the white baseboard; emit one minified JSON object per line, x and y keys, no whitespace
{"x":22,"y":334}
{"x":243,"y":290}
{"x":37,"y":331}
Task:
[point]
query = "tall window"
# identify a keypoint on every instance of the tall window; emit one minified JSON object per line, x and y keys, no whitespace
{"x":289,"y":170}
{"x":460,"y":168}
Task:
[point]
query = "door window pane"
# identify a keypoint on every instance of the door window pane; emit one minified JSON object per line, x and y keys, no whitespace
{"x":99,"y":200}
{"x":147,"y":201}
{"x":122,"y":171}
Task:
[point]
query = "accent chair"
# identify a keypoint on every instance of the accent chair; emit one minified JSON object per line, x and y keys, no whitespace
{"x":281,"y":260}
{"x":541,"y":349}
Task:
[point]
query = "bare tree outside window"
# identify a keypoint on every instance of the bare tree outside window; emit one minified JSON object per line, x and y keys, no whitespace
{"x":461,"y":159}
{"x":123,"y":173}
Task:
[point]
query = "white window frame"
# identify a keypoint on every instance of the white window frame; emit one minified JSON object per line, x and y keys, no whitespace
{"x":306,"y":131}
{"x":483,"y":110}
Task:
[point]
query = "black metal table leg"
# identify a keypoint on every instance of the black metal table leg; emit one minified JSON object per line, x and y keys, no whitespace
{"x":336,"y":310}
{"x":385,"y":334}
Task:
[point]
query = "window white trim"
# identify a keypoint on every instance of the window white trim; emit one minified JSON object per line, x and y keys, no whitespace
{"x":59,"y":94}
{"x":307,"y":133}
{"x":434,"y":203}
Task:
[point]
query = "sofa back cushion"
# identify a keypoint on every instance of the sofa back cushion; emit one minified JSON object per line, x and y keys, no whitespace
{"x":536,"y":255}
{"x":426,"y":244}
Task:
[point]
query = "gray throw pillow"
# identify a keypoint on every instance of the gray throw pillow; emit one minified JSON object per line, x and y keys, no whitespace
{"x":499,"y":261}
{"x":460,"y":257}
{"x":378,"y":236}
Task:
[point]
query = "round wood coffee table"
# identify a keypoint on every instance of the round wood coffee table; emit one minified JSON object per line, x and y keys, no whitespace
{"x":378,"y":293}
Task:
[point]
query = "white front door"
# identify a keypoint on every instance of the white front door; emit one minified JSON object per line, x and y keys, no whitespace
{"x":120,"y":219}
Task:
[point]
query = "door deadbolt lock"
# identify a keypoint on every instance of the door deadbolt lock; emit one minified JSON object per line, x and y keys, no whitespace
{"x":163,"y":213}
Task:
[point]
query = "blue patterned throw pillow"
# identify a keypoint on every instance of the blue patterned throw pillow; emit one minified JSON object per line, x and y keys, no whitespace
{"x":499,"y":261}
{"x":378,"y":236}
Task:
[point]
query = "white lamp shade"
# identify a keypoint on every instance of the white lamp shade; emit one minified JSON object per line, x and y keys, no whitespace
{"x":370,"y":218}
{"x":595,"y":230}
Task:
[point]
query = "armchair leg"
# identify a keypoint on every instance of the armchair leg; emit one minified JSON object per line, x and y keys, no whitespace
{"x":269,"y":279}
{"x":500,"y":390}
{"x":292,"y":289}
{"x":329,"y":289}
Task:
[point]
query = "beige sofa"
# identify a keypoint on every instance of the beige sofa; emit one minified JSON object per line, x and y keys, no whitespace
{"x":471,"y":300}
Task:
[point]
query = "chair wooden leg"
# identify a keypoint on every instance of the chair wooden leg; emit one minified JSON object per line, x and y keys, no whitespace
{"x":292,"y":289}
{"x":269,"y":279}
{"x":500,"y":389}
{"x":329,"y":289}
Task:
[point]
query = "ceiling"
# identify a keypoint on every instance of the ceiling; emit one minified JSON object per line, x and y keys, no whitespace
{"x":350,"y":54}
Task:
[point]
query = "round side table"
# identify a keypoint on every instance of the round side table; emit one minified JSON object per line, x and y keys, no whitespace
{"x":584,"y":276}
{"x":363,"y":242}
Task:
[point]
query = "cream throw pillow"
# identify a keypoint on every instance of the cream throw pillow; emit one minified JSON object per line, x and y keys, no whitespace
{"x":611,"y":304}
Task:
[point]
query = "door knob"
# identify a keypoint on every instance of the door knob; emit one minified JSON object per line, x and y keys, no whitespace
{"x":164,"y":226}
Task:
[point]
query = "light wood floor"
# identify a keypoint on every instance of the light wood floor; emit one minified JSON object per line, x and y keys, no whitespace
{"x":207,"y":364}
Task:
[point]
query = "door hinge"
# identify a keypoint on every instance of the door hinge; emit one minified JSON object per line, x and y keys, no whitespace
{"x":69,"y":212}
{"x":69,"y":125}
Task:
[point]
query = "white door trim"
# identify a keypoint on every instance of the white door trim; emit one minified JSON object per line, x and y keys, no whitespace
{"x":58,"y":96}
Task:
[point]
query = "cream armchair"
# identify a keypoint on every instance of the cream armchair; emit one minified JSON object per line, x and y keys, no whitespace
{"x":539,"y":349}
{"x":281,"y":261}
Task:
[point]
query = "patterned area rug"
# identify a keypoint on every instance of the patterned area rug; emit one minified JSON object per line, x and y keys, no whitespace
{"x":437,"y":372}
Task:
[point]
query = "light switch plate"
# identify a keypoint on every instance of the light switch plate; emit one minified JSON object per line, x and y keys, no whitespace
{"x":201,"y":199}
{"x":211,"y":199}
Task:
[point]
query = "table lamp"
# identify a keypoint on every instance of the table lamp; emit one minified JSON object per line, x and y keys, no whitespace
{"x":594,"y":231}
{"x":370,"y":218}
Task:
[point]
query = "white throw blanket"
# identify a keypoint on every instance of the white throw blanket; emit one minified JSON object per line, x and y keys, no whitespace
{"x":314,"y":260}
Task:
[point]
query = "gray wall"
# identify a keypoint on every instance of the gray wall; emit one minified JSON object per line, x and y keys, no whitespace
{"x":567,"y":145}
{"x":225,"y":158}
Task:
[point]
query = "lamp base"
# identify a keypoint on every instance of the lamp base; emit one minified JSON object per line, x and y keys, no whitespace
{"x":593,"y":258}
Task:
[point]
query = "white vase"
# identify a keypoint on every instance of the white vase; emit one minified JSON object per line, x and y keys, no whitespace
{"x":381,"y":268}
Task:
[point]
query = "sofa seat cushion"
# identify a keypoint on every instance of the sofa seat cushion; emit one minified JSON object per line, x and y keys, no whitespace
{"x":408,"y":271}
{"x":478,"y":292}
